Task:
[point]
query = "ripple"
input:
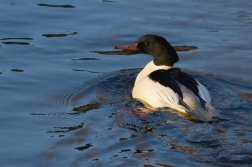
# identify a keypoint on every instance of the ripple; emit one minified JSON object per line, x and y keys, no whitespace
{"x":86,"y":71}
{"x":56,"y":6}
{"x":16,"y":38}
{"x":16,"y":43}
{"x":113,"y":126}
{"x":128,"y":52}
{"x":58,"y":35}
{"x":16,"y":70}
{"x":81,"y":148}
{"x":85,"y":59}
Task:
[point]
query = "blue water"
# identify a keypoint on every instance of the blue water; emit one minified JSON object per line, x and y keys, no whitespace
{"x":42,"y":78}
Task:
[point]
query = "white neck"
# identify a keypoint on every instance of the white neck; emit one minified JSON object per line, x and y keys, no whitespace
{"x":150,"y":67}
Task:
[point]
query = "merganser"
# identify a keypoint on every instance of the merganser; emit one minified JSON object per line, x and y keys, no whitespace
{"x":160,"y":84}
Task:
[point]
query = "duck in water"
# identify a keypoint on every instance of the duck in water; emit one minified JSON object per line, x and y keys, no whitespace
{"x":160,"y":84}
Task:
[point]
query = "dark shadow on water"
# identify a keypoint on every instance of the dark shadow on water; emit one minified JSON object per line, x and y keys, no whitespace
{"x":16,"y":38}
{"x":17,"y":70}
{"x":16,"y":43}
{"x":128,"y":52}
{"x":85,"y":59}
{"x":58,"y":35}
{"x":88,"y":107}
{"x":111,"y":124}
{"x":81,"y":148}
{"x":86,"y":71}
{"x":108,"y":1}
{"x":120,"y":52}
{"x":56,"y":6}
{"x":66,"y":129}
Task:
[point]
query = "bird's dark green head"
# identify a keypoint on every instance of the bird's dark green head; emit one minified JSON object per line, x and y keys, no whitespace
{"x":159,"y":48}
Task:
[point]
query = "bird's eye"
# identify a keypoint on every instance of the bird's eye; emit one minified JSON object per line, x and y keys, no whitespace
{"x":145,"y":43}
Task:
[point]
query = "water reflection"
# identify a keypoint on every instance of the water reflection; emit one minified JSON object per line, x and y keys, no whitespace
{"x":17,"y":70}
{"x":56,"y":6}
{"x":85,"y":59}
{"x":132,"y":138}
{"x":128,"y":52}
{"x":59,"y":35}
{"x":86,"y":71}
{"x":16,"y":38}
{"x":66,"y":129}
{"x":81,"y":148}
{"x":15,"y":42}
{"x":114,"y":131}
{"x":107,"y":1}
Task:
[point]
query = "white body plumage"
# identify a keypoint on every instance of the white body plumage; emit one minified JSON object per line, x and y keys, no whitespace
{"x":157,"y":95}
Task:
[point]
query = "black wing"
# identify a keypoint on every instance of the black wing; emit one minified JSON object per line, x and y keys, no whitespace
{"x":185,"y":79}
{"x":165,"y":78}
{"x":188,"y":81}
{"x":169,"y":77}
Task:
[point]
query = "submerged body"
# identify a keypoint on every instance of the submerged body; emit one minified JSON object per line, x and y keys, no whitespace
{"x":161,"y":85}
{"x":154,"y":92}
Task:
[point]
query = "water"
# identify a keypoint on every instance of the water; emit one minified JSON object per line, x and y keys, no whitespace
{"x":47,"y":69}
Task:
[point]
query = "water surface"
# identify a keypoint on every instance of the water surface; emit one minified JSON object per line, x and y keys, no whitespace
{"x":47,"y":69}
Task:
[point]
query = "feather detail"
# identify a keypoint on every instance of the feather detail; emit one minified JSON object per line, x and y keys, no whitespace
{"x":162,"y":86}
